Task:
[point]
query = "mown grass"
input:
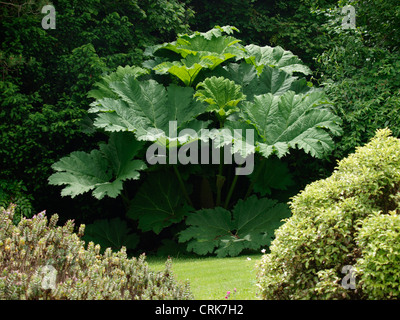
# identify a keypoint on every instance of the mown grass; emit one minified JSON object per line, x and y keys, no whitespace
{"x":210,"y":278}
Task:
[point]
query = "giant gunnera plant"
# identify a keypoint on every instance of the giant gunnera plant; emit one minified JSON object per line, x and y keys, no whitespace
{"x":40,"y":260}
{"x":202,"y":115}
{"x":343,"y":239}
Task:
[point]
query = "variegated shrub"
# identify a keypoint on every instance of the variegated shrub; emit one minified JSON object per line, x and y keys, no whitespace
{"x":349,"y":221}
{"x":40,"y":260}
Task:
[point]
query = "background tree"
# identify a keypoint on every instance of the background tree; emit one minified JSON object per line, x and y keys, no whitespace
{"x":359,"y":70}
{"x":289,"y":24}
{"x":46,"y":75}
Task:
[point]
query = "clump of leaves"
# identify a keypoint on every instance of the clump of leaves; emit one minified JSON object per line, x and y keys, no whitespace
{"x":363,"y":86}
{"x":15,"y":192}
{"x":221,"y":94}
{"x":348,"y":219}
{"x":102,"y":171}
{"x":40,"y":260}
{"x":248,"y":100}
{"x":379,"y":267}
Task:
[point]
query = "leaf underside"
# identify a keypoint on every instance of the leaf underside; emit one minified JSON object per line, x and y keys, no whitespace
{"x":159,"y":203}
{"x":113,"y":233}
{"x":250,"y":226}
{"x":274,"y":174}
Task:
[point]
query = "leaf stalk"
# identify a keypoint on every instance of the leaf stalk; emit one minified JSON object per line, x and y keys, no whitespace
{"x":182,"y":185}
{"x":230,"y":192}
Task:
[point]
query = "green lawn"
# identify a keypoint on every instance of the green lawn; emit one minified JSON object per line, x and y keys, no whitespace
{"x":211,"y":278}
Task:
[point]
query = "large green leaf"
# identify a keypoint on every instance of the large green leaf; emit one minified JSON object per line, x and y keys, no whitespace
{"x":102,"y":89}
{"x":147,"y":108}
{"x":147,"y":98}
{"x":102,"y":171}
{"x":275,"y":57}
{"x":270,"y":80}
{"x":242,"y":73}
{"x":250,"y":226}
{"x":188,"y":68}
{"x":255,"y":221}
{"x":221,"y":94}
{"x":113,"y":233}
{"x":290,"y":121}
{"x":212,"y":42}
{"x":199,"y":51}
{"x":207,"y":227}
{"x":239,"y":136}
{"x":158,"y":203}
{"x":270,"y":173}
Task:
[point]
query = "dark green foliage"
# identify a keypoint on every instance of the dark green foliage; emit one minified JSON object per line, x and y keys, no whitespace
{"x":348,"y":219}
{"x":46,"y":74}
{"x":271,"y":174}
{"x":362,"y":80}
{"x":15,"y":193}
{"x":113,"y":233}
{"x":381,"y":20}
{"x":159,"y":202}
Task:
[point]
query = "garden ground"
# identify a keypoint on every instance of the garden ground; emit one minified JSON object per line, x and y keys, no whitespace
{"x":211,"y":278}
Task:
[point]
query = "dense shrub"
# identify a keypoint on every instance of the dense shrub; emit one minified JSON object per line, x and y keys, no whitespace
{"x":382,"y":23}
{"x":36,"y":250}
{"x":379,"y":266}
{"x":361,"y":78}
{"x":349,"y":219}
{"x":14,"y":192}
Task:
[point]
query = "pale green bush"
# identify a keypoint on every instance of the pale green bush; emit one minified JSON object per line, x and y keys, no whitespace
{"x":380,"y":262}
{"x":348,"y":219}
{"x":39,"y":260}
